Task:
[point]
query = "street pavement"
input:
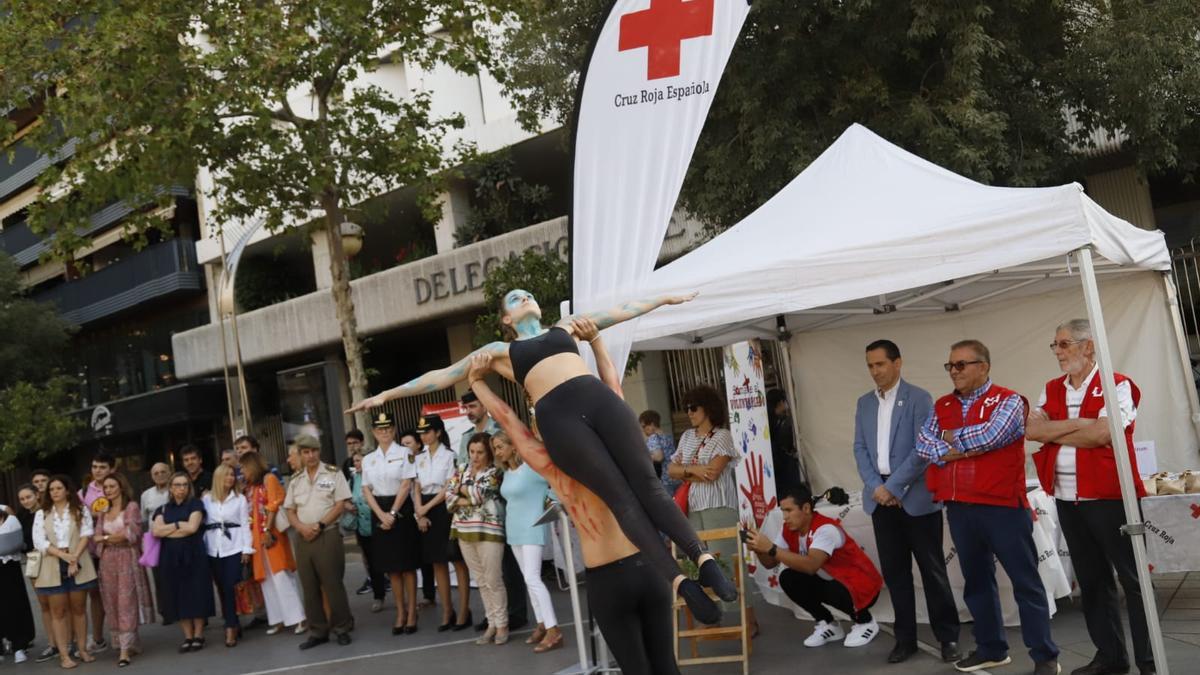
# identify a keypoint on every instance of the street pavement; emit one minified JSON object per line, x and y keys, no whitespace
{"x":777,"y":651}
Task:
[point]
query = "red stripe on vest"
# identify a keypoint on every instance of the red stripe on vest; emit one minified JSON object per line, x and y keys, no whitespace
{"x":849,"y":565}
{"x":1095,"y":468}
{"x":996,"y":477}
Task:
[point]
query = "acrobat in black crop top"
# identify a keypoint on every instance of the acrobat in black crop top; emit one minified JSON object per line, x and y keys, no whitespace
{"x":527,"y":353}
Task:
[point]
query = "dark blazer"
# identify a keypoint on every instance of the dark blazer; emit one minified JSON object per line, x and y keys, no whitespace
{"x":907,"y":480}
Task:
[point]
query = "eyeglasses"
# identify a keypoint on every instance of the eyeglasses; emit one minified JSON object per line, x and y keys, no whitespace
{"x":959,"y":366}
{"x":1063,"y":344}
{"x":179,"y":485}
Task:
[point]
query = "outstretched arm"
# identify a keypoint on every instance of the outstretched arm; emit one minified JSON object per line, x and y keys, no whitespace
{"x":431,"y":381}
{"x":630,"y":310}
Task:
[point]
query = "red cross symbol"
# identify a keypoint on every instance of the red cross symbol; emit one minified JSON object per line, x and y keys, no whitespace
{"x":1196,"y":510}
{"x":661,"y":28}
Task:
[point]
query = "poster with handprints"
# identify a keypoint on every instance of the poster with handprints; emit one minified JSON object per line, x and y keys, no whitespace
{"x":755,"y":473}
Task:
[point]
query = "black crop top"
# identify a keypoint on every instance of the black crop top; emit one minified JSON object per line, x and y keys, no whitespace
{"x":527,"y":353}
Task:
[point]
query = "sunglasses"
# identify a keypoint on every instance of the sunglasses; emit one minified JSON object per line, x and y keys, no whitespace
{"x":693,"y":407}
{"x":959,"y":366}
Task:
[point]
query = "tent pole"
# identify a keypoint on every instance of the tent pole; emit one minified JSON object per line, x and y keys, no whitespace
{"x":1134,"y":526}
{"x":1184,"y":357}
{"x":785,"y":345}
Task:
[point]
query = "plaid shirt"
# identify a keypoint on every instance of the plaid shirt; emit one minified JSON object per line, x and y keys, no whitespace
{"x":1006,"y":425}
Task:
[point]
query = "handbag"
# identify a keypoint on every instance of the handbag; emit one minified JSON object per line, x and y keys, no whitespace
{"x":247,"y":594}
{"x":681,"y":497}
{"x":33,"y":564}
{"x":151,"y":549}
{"x":12,"y":537}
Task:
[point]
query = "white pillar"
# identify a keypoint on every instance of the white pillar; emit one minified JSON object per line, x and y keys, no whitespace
{"x":456,"y":207}
{"x":320,"y":257}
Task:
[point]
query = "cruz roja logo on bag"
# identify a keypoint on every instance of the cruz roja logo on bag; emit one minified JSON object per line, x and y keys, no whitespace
{"x":661,"y":29}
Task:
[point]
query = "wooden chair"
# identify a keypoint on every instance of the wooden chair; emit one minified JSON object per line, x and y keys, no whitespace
{"x":707,"y":633}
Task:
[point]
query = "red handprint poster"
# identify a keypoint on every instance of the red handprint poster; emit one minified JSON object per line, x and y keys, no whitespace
{"x":748,"y":424}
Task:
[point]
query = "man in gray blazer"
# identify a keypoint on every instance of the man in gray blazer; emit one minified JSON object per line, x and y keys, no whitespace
{"x":907,"y":523}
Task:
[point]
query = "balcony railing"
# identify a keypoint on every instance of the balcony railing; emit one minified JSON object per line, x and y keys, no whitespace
{"x":27,"y":164}
{"x":157,"y":271}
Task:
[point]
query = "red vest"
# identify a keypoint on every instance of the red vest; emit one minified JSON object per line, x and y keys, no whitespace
{"x":996,"y":477}
{"x":1095,"y":468}
{"x":848,"y":565}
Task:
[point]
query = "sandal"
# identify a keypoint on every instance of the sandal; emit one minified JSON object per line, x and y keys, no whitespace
{"x":198,"y":643}
{"x":186,"y":646}
{"x":122,"y":663}
{"x":538,"y":635}
{"x":67,"y":665}
{"x":86,"y":658}
{"x":550,"y":644}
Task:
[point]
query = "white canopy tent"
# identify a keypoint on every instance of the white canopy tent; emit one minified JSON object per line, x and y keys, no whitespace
{"x":870,"y":233}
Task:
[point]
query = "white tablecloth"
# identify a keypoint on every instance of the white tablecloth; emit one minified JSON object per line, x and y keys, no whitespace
{"x":1055,"y":575}
{"x":1172,"y":532}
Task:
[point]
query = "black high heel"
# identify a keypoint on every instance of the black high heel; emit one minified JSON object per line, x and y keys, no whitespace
{"x":702,"y":607}
{"x":465,"y":624}
{"x":712,"y":577}
{"x":449,"y":624}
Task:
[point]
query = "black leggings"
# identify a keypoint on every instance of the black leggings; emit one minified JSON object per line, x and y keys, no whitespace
{"x":594,"y":437}
{"x":633,"y":609}
{"x":812,"y":593}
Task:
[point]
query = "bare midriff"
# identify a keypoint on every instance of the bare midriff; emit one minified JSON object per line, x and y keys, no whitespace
{"x":553,"y":371}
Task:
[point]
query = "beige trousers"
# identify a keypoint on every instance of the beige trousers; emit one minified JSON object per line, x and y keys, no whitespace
{"x":484,"y":559}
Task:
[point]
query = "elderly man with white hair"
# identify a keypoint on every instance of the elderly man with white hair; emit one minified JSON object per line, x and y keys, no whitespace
{"x":1077,"y":466}
{"x":153,"y":497}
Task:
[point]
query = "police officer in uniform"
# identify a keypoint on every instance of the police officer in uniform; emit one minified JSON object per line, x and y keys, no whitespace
{"x":315,"y":498}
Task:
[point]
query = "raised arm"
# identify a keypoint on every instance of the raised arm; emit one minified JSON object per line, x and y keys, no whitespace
{"x":630,"y":310}
{"x":433,"y":380}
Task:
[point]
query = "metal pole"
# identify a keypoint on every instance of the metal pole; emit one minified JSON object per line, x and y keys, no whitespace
{"x":790,"y":382}
{"x":237,"y":352}
{"x":564,"y":528}
{"x":237,"y":346}
{"x":1184,"y":357}
{"x":224,"y":349}
{"x":1134,"y":526}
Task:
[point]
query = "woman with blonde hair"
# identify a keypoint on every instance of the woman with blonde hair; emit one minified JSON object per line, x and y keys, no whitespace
{"x":227,"y":541}
{"x":62,"y":529}
{"x":124,"y":586}
{"x":525,"y":493}
{"x":274,"y":566}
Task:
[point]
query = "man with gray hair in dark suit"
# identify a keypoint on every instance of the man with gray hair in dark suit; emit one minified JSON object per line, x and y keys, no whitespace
{"x":907,"y":523}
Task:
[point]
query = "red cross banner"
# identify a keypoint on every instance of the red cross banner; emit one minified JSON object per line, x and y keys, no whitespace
{"x":643,"y":99}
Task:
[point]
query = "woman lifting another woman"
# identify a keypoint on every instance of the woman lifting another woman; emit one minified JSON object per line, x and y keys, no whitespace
{"x":590,"y":434}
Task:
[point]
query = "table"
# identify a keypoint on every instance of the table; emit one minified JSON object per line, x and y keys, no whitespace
{"x":1172,"y":532}
{"x":1053,"y":562}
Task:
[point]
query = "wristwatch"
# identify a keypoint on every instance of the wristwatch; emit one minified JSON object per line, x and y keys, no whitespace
{"x":773,"y":551}
{"x":393,"y":514}
{"x":320,"y":527}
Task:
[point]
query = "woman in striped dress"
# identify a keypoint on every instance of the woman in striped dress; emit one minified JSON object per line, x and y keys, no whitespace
{"x":473,"y":496}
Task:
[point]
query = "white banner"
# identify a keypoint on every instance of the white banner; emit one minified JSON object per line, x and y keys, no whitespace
{"x":755,"y":473}
{"x":644,"y":97}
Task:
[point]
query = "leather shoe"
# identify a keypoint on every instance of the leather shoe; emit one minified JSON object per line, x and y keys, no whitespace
{"x":481,"y":626}
{"x":343,"y":639}
{"x":901,"y":652}
{"x":313,"y":642}
{"x":1098,"y":667}
{"x":950,"y":652}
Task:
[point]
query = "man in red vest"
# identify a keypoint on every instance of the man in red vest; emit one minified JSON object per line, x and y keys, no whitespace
{"x":975,"y":441}
{"x":1076,"y":465}
{"x":825,"y":566}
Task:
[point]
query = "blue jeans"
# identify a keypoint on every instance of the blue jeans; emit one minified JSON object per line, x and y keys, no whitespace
{"x":983,"y":534}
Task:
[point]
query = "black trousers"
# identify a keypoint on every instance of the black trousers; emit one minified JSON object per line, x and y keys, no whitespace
{"x":377,"y":578}
{"x":514,"y":588}
{"x":901,"y":538}
{"x":16,"y":621}
{"x":1093,"y":533}
{"x":227,"y":573}
{"x":593,"y":436}
{"x":632,"y":606}
{"x":812,"y":593}
{"x":427,"y":587}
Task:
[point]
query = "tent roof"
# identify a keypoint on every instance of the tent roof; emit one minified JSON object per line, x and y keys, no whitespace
{"x":869,"y":229}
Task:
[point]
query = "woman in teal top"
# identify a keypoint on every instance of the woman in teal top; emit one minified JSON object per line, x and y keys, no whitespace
{"x":525,"y":493}
{"x":357,"y":519}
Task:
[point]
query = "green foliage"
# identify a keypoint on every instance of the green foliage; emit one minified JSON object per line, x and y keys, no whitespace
{"x":260,"y":283}
{"x":978,"y":87}
{"x":502,"y":201}
{"x":543,"y":275}
{"x":256,"y":92}
{"x":35,"y":398}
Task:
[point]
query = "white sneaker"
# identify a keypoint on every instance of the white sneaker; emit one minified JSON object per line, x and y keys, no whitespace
{"x":823,"y":633}
{"x":19,"y":656}
{"x":861,"y":634}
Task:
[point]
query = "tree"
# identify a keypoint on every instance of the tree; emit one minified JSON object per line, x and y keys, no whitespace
{"x":265,"y":95}
{"x":36,"y":399}
{"x":981,"y":88}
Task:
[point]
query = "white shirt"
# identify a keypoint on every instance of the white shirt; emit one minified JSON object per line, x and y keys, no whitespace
{"x":827,"y":538}
{"x":153,"y":498}
{"x":433,"y":472}
{"x":1065,"y":483}
{"x":883,"y":429}
{"x":385,"y":469}
{"x":234,"y":511}
{"x":61,"y":525}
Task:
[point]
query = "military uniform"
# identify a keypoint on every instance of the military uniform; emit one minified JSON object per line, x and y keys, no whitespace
{"x":321,"y":563}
